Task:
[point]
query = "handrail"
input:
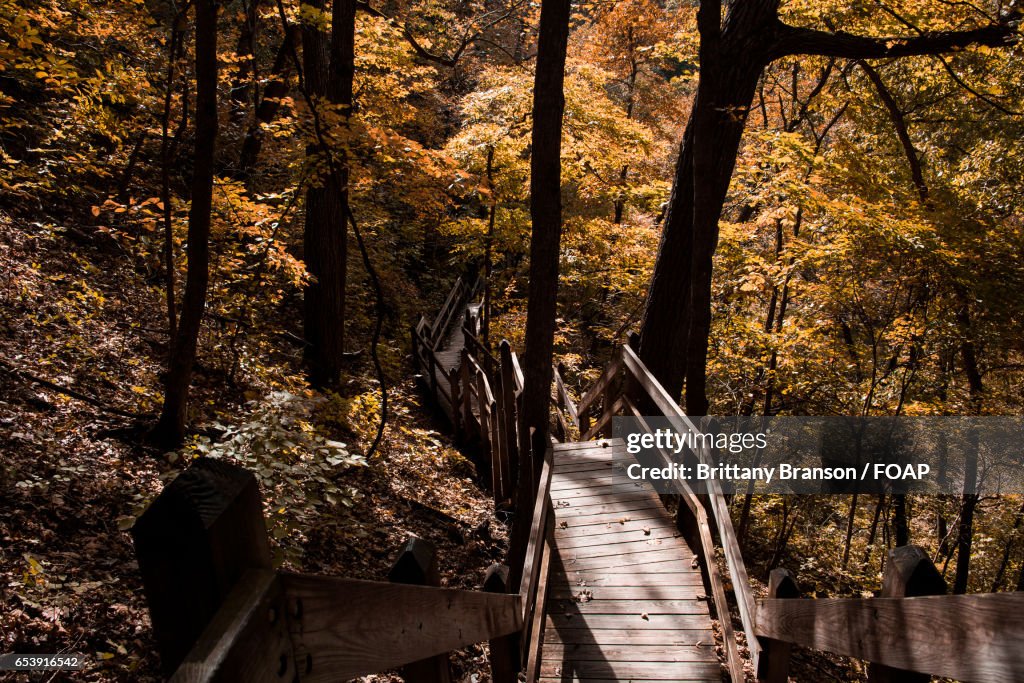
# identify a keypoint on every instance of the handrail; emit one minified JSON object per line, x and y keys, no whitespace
{"x":963,"y":637}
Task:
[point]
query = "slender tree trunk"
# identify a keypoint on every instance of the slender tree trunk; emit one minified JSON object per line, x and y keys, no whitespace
{"x":546,"y":217}
{"x":489,"y":246}
{"x":166,"y":154}
{"x":269,"y":105}
{"x":969,"y":500}
{"x":329,"y":68}
{"x":171,"y":426}
{"x":900,"y":521}
{"x":873,"y":534}
{"x":850,"y":521}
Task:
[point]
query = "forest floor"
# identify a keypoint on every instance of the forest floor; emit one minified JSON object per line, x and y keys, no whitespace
{"x":73,"y":475}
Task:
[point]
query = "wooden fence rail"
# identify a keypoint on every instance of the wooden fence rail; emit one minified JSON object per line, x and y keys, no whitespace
{"x":201,"y":548}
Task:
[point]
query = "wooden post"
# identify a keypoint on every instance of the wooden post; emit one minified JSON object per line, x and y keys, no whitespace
{"x":417,"y":565}
{"x":432,"y":371}
{"x":504,"y":650}
{"x":453,"y":385}
{"x":484,"y":406}
{"x":773,"y":664}
{"x":415,"y":349}
{"x":193,"y":544}
{"x":909,"y":572}
{"x":467,"y":392}
{"x":499,"y":459}
{"x":508,"y":400}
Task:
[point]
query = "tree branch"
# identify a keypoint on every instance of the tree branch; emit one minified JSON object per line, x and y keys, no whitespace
{"x":793,"y":40}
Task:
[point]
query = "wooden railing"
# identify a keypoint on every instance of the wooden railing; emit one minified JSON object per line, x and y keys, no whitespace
{"x":909,"y":634}
{"x":221,"y":613}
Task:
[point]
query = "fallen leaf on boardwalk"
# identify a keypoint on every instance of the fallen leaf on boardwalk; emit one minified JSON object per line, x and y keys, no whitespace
{"x":647,"y":531}
{"x":695,"y":563}
{"x":563,"y":525}
{"x":645,"y":617}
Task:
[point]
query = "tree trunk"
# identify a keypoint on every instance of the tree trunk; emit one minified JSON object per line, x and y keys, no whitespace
{"x":329,"y":70}
{"x":674,"y":338}
{"x":546,"y":217}
{"x":969,"y":501}
{"x":170,"y":429}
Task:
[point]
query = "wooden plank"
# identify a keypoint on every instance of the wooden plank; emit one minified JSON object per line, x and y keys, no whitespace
{"x":600,"y":486}
{"x":653,"y":622}
{"x":628,"y":535}
{"x":679,"y":637}
{"x":965,"y":637}
{"x":605,"y":593}
{"x":246,"y":640}
{"x":627,"y":548}
{"x":576,"y":679}
{"x":574,"y":560}
{"x":664,"y":671}
{"x":596,"y":445}
{"x":672,"y":566}
{"x":609,"y":508}
{"x":353,"y":628}
{"x":606,"y":581}
{"x":581,"y":652}
{"x":583,"y":501}
{"x":612,"y":517}
{"x":640,"y":604}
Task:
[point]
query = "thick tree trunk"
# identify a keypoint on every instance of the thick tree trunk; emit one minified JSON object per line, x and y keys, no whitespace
{"x":329,"y":70}
{"x":677,"y":319}
{"x":171,"y":427}
{"x":546,"y":217}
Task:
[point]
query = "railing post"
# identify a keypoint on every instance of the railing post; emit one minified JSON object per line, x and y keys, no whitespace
{"x":432,"y":371}
{"x":453,"y":385}
{"x":193,"y":544}
{"x":508,"y":417}
{"x":417,"y":565}
{"x":909,"y":572}
{"x":415,"y":349}
{"x":504,"y":650}
{"x":773,"y":664}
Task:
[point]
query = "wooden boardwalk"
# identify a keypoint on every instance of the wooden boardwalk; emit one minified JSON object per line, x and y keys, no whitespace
{"x":625,"y":596}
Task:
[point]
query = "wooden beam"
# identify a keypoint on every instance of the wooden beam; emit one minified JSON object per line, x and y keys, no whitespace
{"x":964,"y":637}
{"x":247,"y":640}
{"x":347,"y":628}
{"x":773,"y":666}
{"x":909,"y":572}
{"x":193,"y":543}
{"x":504,"y":650}
{"x":416,"y":565}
